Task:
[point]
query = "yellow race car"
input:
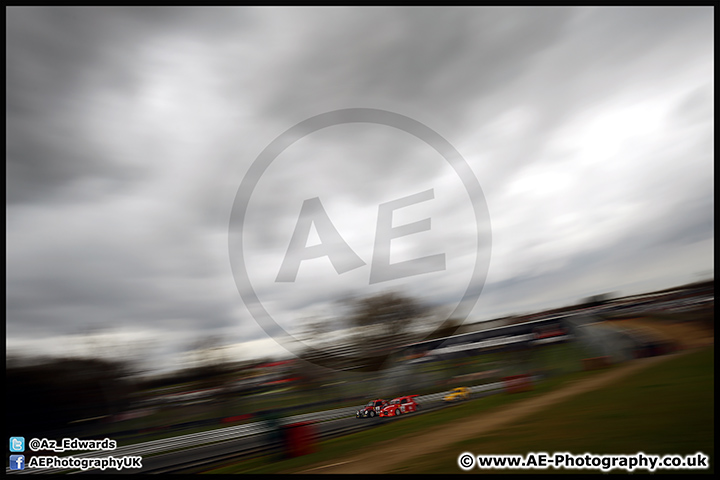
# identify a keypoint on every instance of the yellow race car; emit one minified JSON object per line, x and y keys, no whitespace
{"x":457,"y":394}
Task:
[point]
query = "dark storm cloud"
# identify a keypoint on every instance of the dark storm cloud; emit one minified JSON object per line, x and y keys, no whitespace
{"x":459,"y":67}
{"x":57,"y":60}
{"x":109,"y":284}
{"x":130,"y":129}
{"x":435,"y":58}
{"x":49,"y":73}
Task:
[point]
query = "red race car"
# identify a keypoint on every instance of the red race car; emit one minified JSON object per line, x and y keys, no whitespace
{"x":400,"y":405}
{"x":372,"y":409}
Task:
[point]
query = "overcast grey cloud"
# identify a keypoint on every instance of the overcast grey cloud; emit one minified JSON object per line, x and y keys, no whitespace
{"x":129,"y":131}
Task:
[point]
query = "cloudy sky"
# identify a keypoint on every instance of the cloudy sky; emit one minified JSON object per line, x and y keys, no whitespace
{"x":148,"y":166}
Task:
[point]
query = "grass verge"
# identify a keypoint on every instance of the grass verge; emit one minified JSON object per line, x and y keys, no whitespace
{"x":665,"y":409}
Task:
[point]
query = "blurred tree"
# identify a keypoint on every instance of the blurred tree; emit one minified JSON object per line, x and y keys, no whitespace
{"x":387,"y":314}
{"x":447,"y":329}
{"x":210,"y":365}
{"x":596,"y":300}
{"x":61,"y":394}
{"x":376,"y":326}
{"x":382,"y":323}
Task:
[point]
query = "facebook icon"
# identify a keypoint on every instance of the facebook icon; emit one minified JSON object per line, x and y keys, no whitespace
{"x":17,"y":462}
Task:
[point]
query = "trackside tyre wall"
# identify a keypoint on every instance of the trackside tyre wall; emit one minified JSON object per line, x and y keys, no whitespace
{"x":518,"y":383}
{"x":300,"y":439}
